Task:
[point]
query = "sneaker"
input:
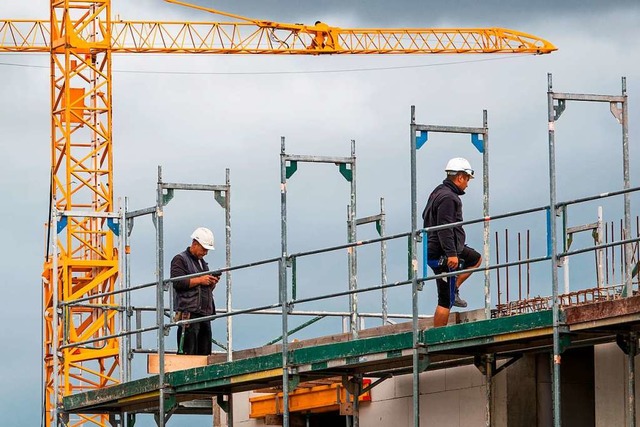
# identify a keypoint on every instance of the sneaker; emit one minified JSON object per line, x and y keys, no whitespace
{"x":459,"y":302}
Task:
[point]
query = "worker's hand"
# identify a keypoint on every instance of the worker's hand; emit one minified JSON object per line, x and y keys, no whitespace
{"x":452,"y":262}
{"x":210,"y":280}
{"x":213,"y":281}
{"x":207,"y":280}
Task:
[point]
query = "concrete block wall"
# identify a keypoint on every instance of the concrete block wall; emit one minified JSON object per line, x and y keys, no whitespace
{"x":611,"y":375}
{"x":455,"y":397}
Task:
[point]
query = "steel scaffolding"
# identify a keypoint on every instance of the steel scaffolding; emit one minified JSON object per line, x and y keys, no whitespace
{"x":415,"y":351}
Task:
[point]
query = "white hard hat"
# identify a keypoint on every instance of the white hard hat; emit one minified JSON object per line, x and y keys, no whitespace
{"x":204,"y":236}
{"x":459,"y":164}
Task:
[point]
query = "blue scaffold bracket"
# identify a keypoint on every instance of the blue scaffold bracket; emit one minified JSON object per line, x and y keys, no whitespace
{"x":113,"y":226}
{"x":345,"y":171}
{"x":421,"y":139}
{"x":62,"y":224}
{"x":425,"y":251}
{"x":291,"y":168}
{"x":477,"y":142}
{"x":549,"y":243}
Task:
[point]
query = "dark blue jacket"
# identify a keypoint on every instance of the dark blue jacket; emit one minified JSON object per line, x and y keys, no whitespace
{"x":198,"y":299}
{"x":444,"y":207}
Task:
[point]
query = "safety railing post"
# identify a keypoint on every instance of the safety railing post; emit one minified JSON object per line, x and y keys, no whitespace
{"x":282,"y":284}
{"x":552,"y":228}
{"x":414,"y":272}
{"x":160,"y":298}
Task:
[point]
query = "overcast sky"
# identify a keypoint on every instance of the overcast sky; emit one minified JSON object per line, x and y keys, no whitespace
{"x":196,"y":116}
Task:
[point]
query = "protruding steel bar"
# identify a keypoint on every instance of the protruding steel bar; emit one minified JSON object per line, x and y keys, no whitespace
{"x":506,"y":259}
{"x":606,"y":260}
{"x":528,"y":265}
{"x":600,"y":254}
{"x":498,"y":270}
{"x":519,"y":267}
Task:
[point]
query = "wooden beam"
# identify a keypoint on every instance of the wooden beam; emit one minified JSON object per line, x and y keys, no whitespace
{"x":174,"y":362}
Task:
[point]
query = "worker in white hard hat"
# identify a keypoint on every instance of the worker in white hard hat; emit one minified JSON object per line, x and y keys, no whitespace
{"x":193,"y":297}
{"x":446,"y":248}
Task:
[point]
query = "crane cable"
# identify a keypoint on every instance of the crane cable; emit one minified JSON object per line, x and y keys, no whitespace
{"x":263,"y":73}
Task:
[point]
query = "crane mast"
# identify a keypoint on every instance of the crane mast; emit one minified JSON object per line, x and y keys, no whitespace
{"x":82,"y":259}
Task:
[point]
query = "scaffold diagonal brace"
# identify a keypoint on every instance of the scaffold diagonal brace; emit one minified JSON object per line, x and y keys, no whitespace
{"x":559,"y":109}
{"x":220,"y":197}
{"x":616,"y":111}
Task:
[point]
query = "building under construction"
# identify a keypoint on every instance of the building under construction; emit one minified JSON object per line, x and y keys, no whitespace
{"x":566,"y":357}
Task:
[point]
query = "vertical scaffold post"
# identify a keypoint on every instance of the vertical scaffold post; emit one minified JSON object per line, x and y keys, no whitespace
{"x":383,"y":260}
{"x":485,"y":213}
{"x":227,"y":227}
{"x":346,"y":167}
{"x":628,"y":252}
{"x":160,"y":298}
{"x":553,"y":250}
{"x":414,"y":272}
{"x":126,"y":269}
{"x":282,"y":284}
{"x":633,"y":337}
{"x":55,"y":306}
{"x":482,"y":145}
{"x":379,"y":221}
{"x":353,"y":258}
{"x":480,"y":140}
{"x":127,"y":354}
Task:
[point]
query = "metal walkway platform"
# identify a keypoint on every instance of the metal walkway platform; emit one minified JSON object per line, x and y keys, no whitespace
{"x":378,"y":352}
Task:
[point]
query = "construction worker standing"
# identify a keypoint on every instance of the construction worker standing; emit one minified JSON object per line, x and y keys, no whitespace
{"x":446,"y":248}
{"x":193,"y":298}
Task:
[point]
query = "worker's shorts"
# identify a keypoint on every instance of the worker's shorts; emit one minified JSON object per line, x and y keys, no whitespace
{"x":470,"y":257}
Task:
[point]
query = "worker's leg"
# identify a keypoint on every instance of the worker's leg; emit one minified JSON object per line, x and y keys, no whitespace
{"x":204,"y":338}
{"x":472,"y":259}
{"x":441,"y":316}
{"x":190,"y":343}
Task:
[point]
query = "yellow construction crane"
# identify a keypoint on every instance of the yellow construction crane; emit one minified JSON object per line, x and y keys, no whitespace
{"x":80,"y":347}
